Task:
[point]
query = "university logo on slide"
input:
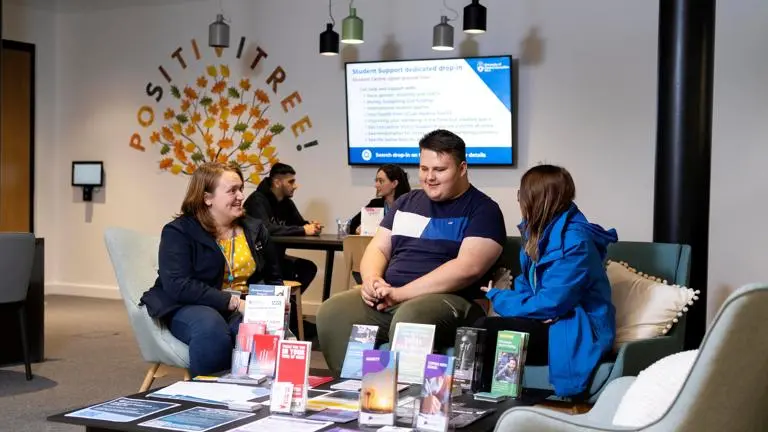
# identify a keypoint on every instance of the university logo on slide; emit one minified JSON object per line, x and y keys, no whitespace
{"x":367,"y":155}
{"x":215,"y":115}
{"x":480,"y":66}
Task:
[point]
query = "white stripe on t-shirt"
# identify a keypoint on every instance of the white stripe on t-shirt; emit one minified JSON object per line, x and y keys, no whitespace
{"x":409,"y":224}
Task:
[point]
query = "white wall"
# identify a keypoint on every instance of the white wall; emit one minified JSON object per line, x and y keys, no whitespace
{"x":106,"y":57}
{"x":739,"y":195}
{"x":587,"y":97}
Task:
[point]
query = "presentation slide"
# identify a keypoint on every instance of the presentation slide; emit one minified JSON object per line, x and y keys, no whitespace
{"x":391,"y":105}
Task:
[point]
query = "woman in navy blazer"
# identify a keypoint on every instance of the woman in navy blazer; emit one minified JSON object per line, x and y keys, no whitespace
{"x":209,"y":247}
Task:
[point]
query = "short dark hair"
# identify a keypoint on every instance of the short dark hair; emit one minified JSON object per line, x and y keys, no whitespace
{"x":445,"y":142}
{"x":281,"y":169}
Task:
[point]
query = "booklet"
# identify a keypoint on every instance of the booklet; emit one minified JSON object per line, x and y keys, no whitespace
{"x":508,"y":365}
{"x":341,"y":399}
{"x":283,"y":423}
{"x":122,"y":410}
{"x":469,"y":350}
{"x":264,"y":356}
{"x":210,"y":393}
{"x":334,"y":415}
{"x":435,"y":407}
{"x":197,"y":419}
{"x":293,"y":367}
{"x":269,"y":310}
{"x":355,"y":385}
{"x":413,"y":342}
{"x":370,"y":219}
{"x":362,"y":337}
{"x":378,"y":395}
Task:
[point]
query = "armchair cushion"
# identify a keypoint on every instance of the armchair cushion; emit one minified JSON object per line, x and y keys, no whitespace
{"x":654,"y":390}
{"x":646,"y":306}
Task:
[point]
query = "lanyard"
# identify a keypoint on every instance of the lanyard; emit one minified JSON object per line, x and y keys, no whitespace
{"x":231,"y":260}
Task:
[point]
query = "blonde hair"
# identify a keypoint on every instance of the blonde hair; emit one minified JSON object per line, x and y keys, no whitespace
{"x":204,"y":180}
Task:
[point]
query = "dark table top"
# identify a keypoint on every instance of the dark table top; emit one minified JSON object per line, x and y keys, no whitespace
{"x":331,"y":242}
{"x":484,"y":424}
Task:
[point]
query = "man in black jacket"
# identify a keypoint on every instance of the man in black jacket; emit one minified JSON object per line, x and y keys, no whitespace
{"x":272,"y":203}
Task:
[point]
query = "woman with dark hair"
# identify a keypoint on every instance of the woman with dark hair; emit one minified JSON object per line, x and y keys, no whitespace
{"x":211,"y":246}
{"x":562,"y":298}
{"x":391,"y":182}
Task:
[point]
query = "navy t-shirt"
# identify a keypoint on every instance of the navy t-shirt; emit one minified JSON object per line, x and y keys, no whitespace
{"x":426,"y":234}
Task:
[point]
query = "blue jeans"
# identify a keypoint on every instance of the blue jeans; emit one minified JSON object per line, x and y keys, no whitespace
{"x":209,"y":335}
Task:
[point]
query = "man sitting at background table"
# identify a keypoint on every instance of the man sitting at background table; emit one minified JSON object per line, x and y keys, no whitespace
{"x":271,"y":202}
{"x":428,"y":258}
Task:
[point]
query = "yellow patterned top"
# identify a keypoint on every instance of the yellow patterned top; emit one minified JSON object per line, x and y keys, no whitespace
{"x":241,"y":262}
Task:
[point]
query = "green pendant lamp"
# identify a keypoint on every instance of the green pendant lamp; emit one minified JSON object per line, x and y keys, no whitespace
{"x":352,"y":27}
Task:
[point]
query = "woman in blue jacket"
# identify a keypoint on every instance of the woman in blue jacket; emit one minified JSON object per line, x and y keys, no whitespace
{"x":208,"y":248}
{"x":562,"y":298}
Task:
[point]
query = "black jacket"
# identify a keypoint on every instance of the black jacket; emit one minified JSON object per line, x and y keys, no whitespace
{"x":281,"y":218}
{"x":355,"y":221}
{"x":192,"y":266}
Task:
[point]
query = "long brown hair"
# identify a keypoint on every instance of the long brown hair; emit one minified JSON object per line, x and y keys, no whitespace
{"x":205,"y":179}
{"x":545,"y":191}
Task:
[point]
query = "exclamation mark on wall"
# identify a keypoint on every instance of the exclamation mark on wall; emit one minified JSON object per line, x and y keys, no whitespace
{"x":309,"y":144}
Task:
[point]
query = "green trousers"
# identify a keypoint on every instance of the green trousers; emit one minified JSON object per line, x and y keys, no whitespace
{"x":337,"y":315}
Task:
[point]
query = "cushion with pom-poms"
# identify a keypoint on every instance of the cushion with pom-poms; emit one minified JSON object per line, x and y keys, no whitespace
{"x":646,"y":306}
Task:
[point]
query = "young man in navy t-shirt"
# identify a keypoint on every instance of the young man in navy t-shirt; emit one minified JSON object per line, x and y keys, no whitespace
{"x":428,"y":258}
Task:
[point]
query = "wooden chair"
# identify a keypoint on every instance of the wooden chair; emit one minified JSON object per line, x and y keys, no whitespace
{"x":296,"y":292}
{"x":354,"y":248}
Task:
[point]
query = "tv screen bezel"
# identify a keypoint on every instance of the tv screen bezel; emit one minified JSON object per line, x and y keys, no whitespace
{"x":513,"y":74}
{"x":101,"y":179}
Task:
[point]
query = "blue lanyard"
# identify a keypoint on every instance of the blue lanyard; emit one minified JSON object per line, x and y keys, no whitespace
{"x":231,"y":260}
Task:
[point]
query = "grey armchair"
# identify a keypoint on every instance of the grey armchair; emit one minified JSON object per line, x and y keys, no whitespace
{"x":134,"y":258}
{"x":726,"y":389}
{"x":17,"y":251}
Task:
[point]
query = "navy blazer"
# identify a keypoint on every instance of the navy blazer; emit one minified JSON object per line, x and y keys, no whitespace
{"x":192,"y":266}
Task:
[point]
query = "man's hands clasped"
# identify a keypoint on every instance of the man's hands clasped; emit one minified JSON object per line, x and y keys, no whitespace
{"x":379,"y":294}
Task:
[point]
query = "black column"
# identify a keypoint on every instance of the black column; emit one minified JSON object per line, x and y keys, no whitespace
{"x":684,"y":140}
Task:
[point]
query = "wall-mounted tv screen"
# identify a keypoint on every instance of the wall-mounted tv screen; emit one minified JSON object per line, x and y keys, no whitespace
{"x":392,"y":104}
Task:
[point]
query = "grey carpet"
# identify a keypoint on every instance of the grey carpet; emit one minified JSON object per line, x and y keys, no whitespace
{"x":91,"y":356}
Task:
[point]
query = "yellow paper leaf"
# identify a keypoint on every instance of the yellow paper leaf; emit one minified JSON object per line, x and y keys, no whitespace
{"x":189,"y":130}
{"x":225,"y":71}
{"x":189,"y":147}
{"x":248,"y":136}
{"x":211,"y":71}
{"x":177,"y":128}
{"x":176,"y":169}
{"x":209,"y":122}
{"x":268,"y":151}
{"x":253,"y":159}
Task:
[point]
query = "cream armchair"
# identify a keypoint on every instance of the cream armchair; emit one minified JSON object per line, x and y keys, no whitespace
{"x":134,"y":258}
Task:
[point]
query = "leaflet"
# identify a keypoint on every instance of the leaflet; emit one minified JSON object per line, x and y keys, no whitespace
{"x":122,"y":410}
{"x":280,"y":423}
{"x":197,"y":419}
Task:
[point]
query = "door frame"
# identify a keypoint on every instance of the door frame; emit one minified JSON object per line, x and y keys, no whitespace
{"x":30,"y":48}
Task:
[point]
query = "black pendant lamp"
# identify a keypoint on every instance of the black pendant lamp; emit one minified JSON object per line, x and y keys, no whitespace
{"x":474,"y":18}
{"x":329,"y":39}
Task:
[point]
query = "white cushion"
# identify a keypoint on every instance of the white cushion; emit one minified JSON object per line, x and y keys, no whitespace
{"x":646,"y":306}
{"x":654,"y":390}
